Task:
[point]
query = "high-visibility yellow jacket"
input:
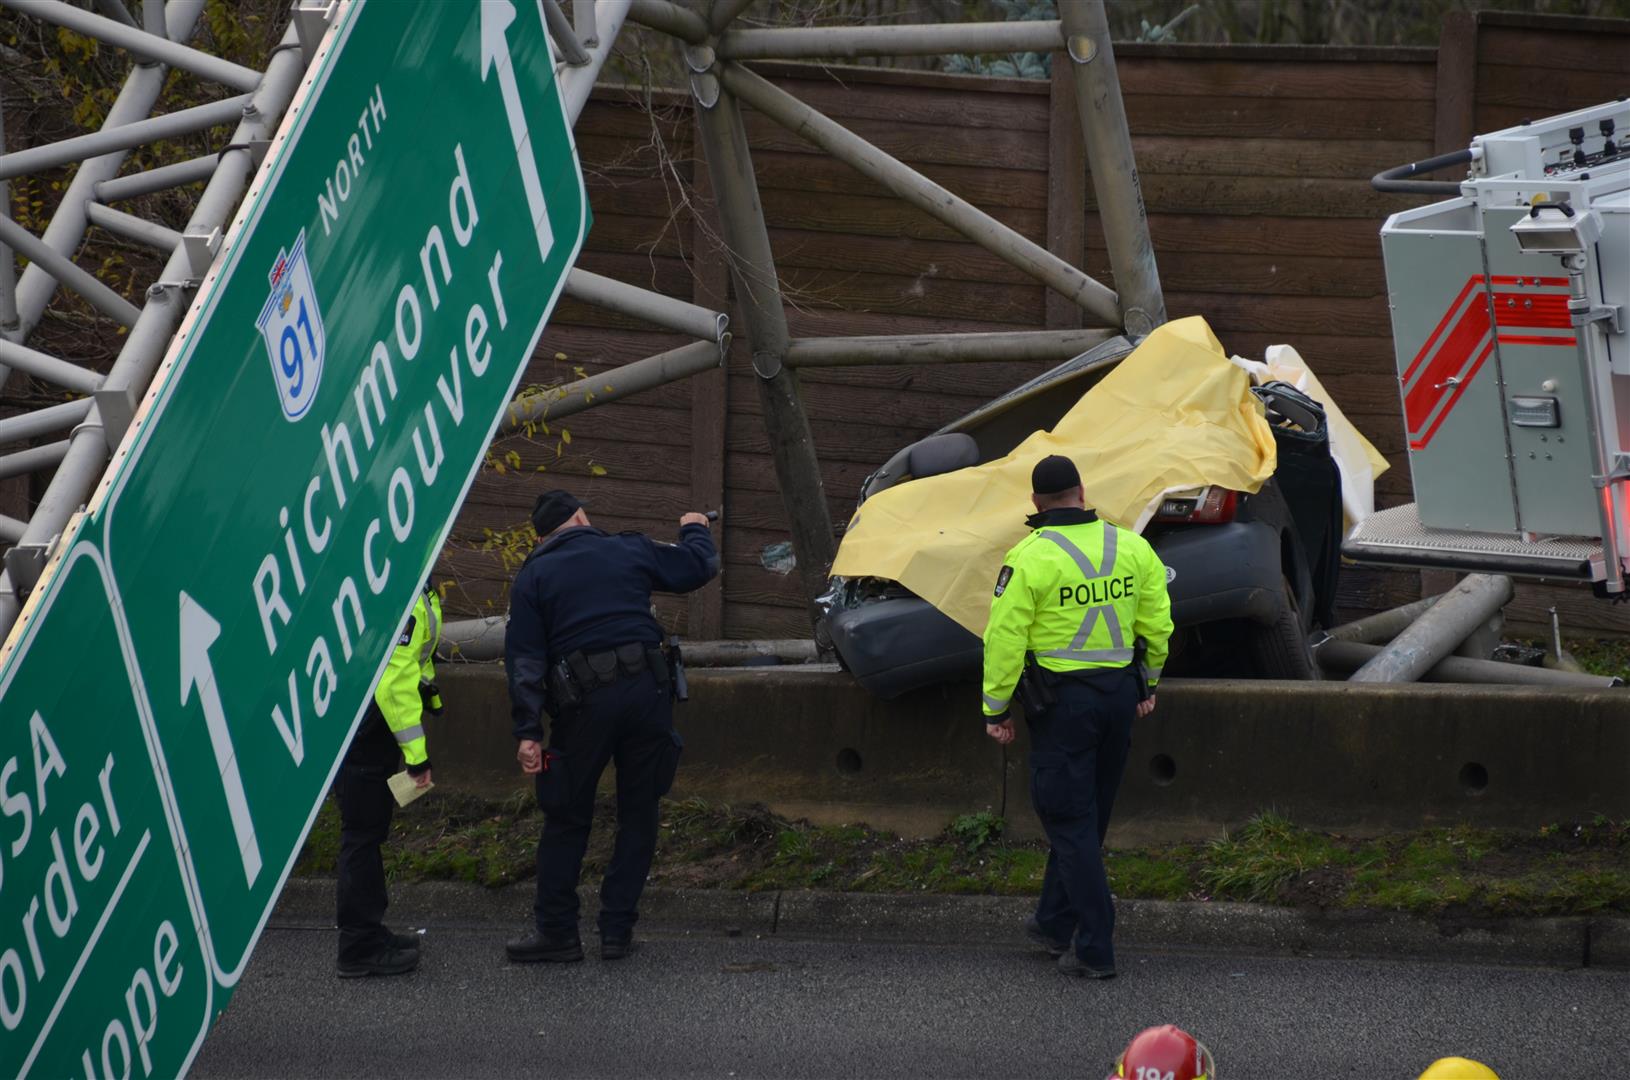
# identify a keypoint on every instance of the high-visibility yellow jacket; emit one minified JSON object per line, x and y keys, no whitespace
{"x":1078,"y":593}
{"x":412,"y":666}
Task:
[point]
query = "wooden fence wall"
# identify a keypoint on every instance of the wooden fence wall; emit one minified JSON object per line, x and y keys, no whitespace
{"x":1254,"y":162}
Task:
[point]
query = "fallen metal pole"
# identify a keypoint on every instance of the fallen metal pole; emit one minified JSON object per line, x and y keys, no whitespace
{"x":11,"y":530}
{"x":148,"y":233}
{"x":670,"y":18}
{"x":808,"y":43}
{"x":52,"y":369}
{"x":68,"y":272}
{"x":8,"y":260}
{"x":152,"y":17}
{"x":145,"y":346}
{"x":922,"y":193}
{"x":585,"y":24}
{"x":653,"y":307}
{"x":482,"y":640}
{"x":33,"y":460}
{"x":608,"y":386}
{"x":193,"y":171}
{"x":577,"y":83}
{"x":1439,"y":631}
{"x":139,"y":42}
{"x":474,"y":640}
{"x":565,"y":38}
{"x":1342,"y":656}
{"x":115,"y":9}
{"x":126,"y":137}
{"x":1047,"y":345}
{"x":46,"y":421}
{"x":1383,"y":626}
{"x":1114,"y":168}
{"x":752,"y":268}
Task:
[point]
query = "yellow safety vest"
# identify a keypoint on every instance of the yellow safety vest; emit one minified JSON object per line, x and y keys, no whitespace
{"x":411,"y":665}
{"x":1077,"y":596}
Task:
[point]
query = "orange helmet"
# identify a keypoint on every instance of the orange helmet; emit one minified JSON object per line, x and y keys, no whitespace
{"x":1165,"y":1053}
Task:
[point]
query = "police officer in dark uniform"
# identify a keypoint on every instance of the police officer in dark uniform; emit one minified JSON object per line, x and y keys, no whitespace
{"x":583,"y":645}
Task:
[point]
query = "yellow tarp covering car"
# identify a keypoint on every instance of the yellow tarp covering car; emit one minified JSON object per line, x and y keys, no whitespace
{"x":1175,"y":415}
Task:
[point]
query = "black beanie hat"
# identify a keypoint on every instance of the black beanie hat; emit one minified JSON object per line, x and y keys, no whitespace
{"x":1053,"y":475}
{"x":552,"y":509}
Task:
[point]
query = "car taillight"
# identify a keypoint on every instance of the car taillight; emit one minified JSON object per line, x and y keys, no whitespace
{"x":1213,"y":506}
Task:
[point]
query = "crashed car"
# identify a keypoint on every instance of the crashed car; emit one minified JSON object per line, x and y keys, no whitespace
{"x":1250,"y":573}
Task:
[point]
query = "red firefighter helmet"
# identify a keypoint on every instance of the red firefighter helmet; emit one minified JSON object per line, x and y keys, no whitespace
{"x":1165,"y":1053}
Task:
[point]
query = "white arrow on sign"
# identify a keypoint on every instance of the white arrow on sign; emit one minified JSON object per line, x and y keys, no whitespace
{"x":198,"y":633}
{"x":496,"y":15}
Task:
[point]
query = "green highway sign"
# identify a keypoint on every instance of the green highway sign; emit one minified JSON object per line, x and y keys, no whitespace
{"x":291,"y":479}
{"x":101,"y":968}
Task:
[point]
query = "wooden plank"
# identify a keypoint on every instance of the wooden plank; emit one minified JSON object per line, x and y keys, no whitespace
{"x":991,"y":148}
{"x":982,"y":185}
{"x":1260,"y":274}
{"x":918,"y":295}
{"x":946,"y":259}
{"x":848,"y":102}
{"x":1552,"y":50}
{"x":1219,"y":79}
{"x":1280,"y":118}
{"x":1218,"y":155}
{"x":1291,"y":196}
{"x":1066,"y":192}
{"x":750,"y":621}
{"x":1541,"y":86}
{"x":1256,"y":234}
{"x":854,"y":214}
{"x":1291,"y":316}
{"x":814,"y":323}
{"x":625,"y":234}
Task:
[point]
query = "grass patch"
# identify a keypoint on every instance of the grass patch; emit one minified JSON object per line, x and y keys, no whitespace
{"x":1556,"y":869}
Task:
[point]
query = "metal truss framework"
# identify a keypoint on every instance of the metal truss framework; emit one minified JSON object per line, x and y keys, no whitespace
{"x":714,"y":52}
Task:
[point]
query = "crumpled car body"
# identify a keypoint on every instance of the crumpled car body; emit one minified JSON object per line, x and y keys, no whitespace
{"x":1251,"y":567}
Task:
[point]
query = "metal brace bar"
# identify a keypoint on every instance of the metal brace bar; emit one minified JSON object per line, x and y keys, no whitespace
{"x":640,"y":303}
{"x":115,"y":9}
{"x":68,"y":273}
{"x":200,"y":247}
{"x":193,"y":171}
{"x":139,"y":42}
{"x":584,"y":23}
{"x":311,"y":21}
{"x":670,"y":18}
{"x":46,"y":421}
{"x":608,"y":386}
{"x":152,"y":16}
{"x":25,"y":563}
{"x":131,"y":227}
{"x":724,"y":13}
{"x":9,"y":322}
{"x":50,"y":368}
{"x":808,"y":43}
{"x":34,"y":459}
{"x":116,"y":404}
{"x":560,"y":29}
{"x":124,"y":137}
{"x":11,"y":530}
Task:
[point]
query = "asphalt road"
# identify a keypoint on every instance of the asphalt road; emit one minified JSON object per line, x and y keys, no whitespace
{"x":713,"y":1006}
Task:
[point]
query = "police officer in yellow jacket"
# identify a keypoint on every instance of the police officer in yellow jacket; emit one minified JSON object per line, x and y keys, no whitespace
{"x":1081,"y":614}
{"x":392,"y":730}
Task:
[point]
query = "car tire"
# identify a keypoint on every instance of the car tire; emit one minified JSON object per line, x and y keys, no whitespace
{"x":1281,"y":647}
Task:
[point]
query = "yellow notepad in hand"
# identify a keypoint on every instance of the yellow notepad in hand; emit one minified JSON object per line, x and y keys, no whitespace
{"x":406,"y":789}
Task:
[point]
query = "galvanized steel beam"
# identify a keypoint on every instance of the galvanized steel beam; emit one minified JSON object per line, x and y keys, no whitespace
{"x":565,"y":38}
{"x":124,"y":137}
{"x":11,"y":530}
{"x":561,"y":401}
{"x":33,"y":460}
{"x":752,"y":267}
{"x":670,"y":18}
{"x":1439,"y":631}
{"x":1121,"y":211}
{"x":1338,"y":656}
{"x":1046,"y":345}
{"x":577,"y":83}
{"x":652,"y":307}
{"x":192,"y":171}
{"x":46,"y":421}
{"x":144,"y":348}
{"x":815,"y":42}
{"x":923,"y":193}
{"x":139,"y":42}
{"x":724,"y":12}
{"x":68,"y":272}
{"x":50,"y":368}
{"x":131,"y":227}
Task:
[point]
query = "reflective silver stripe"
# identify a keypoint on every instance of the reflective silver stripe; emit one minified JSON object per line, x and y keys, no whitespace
{"x":407,"y":735}
{"x":1089,"y":619}
{"x":995,"y":704}
{"x":1091,"y":656}
{"x":432,"y":633}
{"x":1154,"y":673}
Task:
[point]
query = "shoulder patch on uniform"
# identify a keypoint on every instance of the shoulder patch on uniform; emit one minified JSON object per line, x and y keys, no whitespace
{"x":1002,"y":579}
{"x":407,"y":631}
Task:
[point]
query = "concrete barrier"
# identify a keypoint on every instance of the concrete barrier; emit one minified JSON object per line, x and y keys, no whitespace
{"x":809,"y":742}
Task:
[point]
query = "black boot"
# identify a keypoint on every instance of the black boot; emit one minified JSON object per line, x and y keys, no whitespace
{"x":389,"y":960}
{"x":538,"y":947}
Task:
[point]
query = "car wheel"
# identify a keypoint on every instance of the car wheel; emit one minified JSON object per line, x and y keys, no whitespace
{"x":1281,"y":647}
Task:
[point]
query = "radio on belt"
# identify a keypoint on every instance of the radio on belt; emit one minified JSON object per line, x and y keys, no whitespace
{"x":1509,"y":328}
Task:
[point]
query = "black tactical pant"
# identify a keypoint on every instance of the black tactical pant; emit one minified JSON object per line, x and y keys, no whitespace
{"x":366,"y":804}
{"x":629,"y":722}
{"x":1078,"y":751}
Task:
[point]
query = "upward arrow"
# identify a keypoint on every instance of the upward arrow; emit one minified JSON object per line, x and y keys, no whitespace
{"x":198,"y":633}
{"x":496,"y":15}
